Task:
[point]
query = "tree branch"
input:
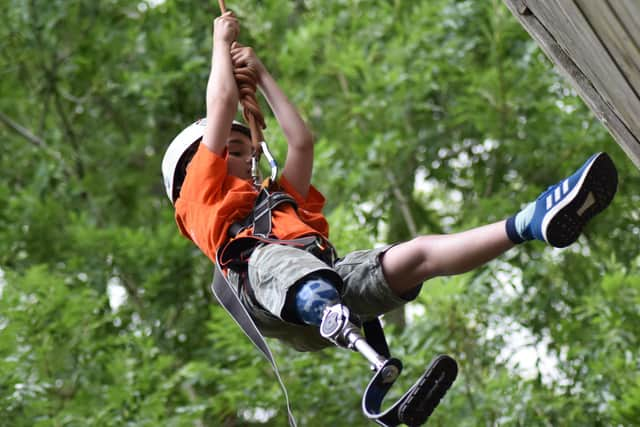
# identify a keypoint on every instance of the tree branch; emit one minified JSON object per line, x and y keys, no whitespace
{"x":31,"y":137}
{"x":24,"y":132}
{"x":66,"y":124}
{"x":403,"y":203}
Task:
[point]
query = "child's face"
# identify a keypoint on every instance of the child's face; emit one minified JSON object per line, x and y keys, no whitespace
{"x":239,"y":150}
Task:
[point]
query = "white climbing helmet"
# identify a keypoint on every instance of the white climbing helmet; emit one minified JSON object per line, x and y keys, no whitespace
{"x":175,"y":160}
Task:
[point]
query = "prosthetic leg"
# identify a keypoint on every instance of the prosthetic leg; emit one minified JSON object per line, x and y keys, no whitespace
{"x":418,"y":403}
{"x":413,"y":408}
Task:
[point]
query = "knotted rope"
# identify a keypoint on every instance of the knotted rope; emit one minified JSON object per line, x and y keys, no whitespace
{"x":246,"y":79}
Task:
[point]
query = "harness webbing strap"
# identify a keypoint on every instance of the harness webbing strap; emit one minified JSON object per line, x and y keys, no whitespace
{"x":374,"y":334}
{"x":266,"y":202}
{"x":260,"y":216}
{"x":227,"y":297}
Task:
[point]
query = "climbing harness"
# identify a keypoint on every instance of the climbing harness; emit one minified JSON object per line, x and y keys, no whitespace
{"x":260,"y":217}
{"x":417,"y":404}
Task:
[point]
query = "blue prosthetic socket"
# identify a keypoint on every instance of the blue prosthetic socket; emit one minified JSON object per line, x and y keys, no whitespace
{"x":313,"y":294}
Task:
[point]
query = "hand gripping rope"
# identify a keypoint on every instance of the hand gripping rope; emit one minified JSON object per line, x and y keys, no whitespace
{"x":246,"y":78}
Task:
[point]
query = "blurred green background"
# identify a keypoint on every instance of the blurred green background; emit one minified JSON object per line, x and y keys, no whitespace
{"x":430,"y":116}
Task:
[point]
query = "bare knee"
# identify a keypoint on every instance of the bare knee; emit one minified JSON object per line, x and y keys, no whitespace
{"x":408,"y":264}
{"x":426,"y":249}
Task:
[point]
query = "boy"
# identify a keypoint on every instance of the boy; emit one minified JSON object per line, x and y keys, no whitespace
{"x":207,"y":171}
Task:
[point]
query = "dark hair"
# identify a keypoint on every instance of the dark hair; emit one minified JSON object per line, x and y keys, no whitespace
{"x":181,"y":168}
{"x":241,"y":128}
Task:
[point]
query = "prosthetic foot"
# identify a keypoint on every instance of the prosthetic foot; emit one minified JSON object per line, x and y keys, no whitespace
{"x":418,"y":403}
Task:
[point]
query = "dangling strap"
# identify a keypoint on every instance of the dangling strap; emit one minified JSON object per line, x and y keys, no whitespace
{"x":374,"y":335}
{"x":226,"y":296}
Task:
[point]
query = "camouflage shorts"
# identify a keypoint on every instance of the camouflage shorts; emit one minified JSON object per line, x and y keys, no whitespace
{"x":273,"y":269}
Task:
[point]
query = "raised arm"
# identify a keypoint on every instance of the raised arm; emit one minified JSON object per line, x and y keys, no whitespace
{"x":222,"y":91}
{"x":299,"y":162}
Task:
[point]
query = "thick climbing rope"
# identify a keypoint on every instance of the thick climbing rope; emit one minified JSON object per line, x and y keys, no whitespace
{"x":246,"y":79}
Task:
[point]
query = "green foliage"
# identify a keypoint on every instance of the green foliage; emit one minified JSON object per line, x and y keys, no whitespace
{"x":430,"y":116}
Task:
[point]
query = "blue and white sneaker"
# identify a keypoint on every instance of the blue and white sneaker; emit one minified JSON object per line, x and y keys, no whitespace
{"x":563,"y":209}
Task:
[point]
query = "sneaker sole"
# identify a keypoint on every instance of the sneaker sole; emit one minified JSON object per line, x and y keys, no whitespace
{"x":564,"y":223}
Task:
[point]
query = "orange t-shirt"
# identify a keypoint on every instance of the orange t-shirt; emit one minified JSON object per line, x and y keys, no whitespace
{"x":211,"y":200}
